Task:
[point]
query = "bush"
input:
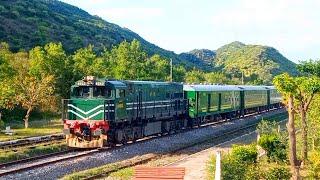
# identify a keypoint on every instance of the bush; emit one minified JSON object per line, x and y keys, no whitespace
{"x":275,"y":148}
{"x":246,"y":154}
{"x":240,"y":163}
{"x":232,"y":168}
{"x":279,"y":172}
{"x":267,"y":127}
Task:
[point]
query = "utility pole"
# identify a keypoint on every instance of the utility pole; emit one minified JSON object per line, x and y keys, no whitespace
{"x":171,"y":78}
{"x":242,"y":78}
{"x":217,"y":174}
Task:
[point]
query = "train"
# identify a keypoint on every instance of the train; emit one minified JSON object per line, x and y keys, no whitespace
{"x":103,"y":112}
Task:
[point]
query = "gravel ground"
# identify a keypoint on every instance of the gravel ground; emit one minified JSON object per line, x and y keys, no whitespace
{"x":201,"y":158}
{"x":157,"y":145}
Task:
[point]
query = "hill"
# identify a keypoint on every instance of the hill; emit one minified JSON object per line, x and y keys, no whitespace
{"x":237,"y":54}
{"x":202,"y":57}
{"x":29,"y":23}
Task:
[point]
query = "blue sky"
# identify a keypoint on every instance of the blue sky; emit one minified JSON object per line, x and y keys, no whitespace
{"x":291,"y":26}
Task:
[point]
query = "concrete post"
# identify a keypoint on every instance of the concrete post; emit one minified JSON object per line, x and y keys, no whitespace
{"x":218,"y":166}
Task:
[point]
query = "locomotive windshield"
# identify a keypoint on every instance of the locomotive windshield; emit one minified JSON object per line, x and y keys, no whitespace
{"x":92,"y":91}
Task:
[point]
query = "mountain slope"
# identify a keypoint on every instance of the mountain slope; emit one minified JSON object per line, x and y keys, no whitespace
{"x":237,"y":54}
{"x":28,"y":23}
{"x":202,"y":57}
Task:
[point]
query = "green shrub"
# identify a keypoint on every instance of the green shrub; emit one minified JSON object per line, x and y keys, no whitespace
{"x":314,"y":165}
{"x":232,"y":168}
{"x":267,"y":127}
{"x":240,"y":163}
{"x":275,"y":148}
{"x":246,"y":154}
{"x":277,"y":173}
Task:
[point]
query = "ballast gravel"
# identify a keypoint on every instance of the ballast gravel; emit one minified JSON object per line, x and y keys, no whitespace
{"x":156,"y":145}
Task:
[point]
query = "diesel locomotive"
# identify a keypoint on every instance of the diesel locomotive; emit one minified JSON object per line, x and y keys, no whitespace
{"x":105,"y":112}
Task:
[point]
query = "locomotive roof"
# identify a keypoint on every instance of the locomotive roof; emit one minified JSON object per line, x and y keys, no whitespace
{"x":152,"y":82}
{"x":210,"y":88}
{"x":117,"y":83}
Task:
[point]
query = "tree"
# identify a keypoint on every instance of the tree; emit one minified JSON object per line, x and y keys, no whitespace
{"x":52,"y":60}
{"x":157,"y":68}
{"x":32,"y":91}
{"x":216,"y":78}
{"x":310,"y":67}
{"x":6,"y":72}
{"x":307,"y":87}
{"x":178,"y":73}
{"x":195,"y":76}
{"x":287,"y":86}
{"x":129,"y":61}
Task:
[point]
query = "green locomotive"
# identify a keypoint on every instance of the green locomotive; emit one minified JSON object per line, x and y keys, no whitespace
{"x":106,"y":112}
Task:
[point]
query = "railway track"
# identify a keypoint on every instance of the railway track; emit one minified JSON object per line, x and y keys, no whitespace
{"x":31,"y":163}
{"x":30,"y":141}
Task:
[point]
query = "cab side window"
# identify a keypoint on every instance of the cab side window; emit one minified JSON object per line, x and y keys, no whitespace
{"x":120,"y":93}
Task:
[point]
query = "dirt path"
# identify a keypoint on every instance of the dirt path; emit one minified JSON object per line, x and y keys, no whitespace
{"x":196,"y":164}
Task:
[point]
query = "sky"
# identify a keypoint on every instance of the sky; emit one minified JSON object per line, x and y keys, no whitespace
{"x":291,"y":26}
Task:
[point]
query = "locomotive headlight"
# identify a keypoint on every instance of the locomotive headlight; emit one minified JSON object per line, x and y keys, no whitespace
{"x":97,"y":132}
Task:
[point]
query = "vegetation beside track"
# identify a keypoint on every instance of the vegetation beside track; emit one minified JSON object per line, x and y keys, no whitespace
{"x":27,"y":152}
{"x":37,"y":128}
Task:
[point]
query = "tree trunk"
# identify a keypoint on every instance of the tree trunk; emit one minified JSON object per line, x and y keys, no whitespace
{"x":292,"y":141}
{"x":304,"y":135}
{"x":26,"y":118}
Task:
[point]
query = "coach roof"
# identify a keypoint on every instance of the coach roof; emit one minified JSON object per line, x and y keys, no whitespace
{"x":210,"y":88}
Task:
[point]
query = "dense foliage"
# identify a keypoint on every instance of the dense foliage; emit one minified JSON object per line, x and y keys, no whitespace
{"x":237,"y":164}
{"x":30,"y":23}
{"x":39,"y":78}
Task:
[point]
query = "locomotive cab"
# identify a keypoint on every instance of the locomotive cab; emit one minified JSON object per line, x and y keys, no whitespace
{"x":89,"y":111}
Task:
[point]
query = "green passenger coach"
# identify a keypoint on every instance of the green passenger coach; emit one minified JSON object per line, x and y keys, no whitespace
{"x":212,"y":101}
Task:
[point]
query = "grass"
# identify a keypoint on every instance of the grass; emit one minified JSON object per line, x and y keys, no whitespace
{"x":118,"y":170}
{"x":124,"y":170}
{"x":8,"y":156}
{"x":122,"y":174}
{"x":36,"y":128}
